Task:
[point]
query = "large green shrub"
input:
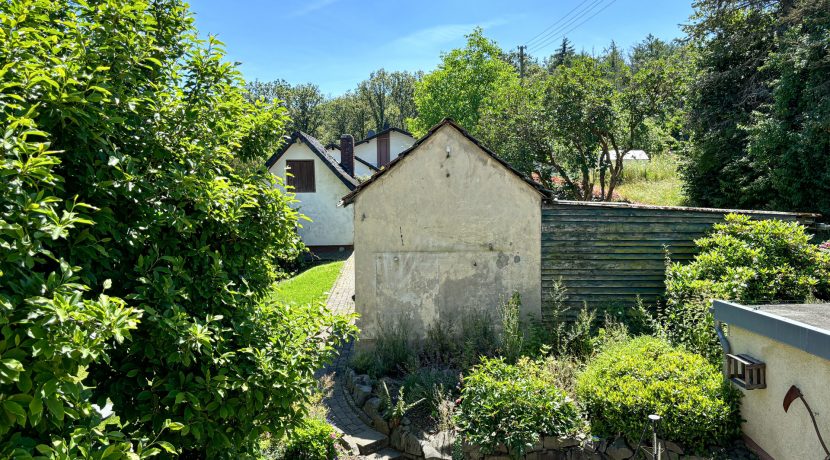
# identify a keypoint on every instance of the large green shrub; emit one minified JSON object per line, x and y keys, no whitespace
{"x":630,"y":380}
{"x":121,"y":130}
{"x":750,"y":261}
{"x":513,"y":405}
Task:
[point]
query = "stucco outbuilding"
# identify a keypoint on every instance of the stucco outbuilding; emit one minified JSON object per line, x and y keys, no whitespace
{"x":445,"y":229}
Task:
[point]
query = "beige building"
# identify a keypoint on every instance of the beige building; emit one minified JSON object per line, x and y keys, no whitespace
{"x":444,"y":229}
{"x":774,"y":354}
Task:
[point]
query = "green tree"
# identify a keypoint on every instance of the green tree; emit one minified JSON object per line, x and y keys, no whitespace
{"x":121,"y":130}
{"x":459,"y":87}
{"x":346,"y":114}
{"x":562,"y":56}
{"x":789,"y":140}
{"x":734,"y":38}
{"x":304,"y":102}
{"x":594,"y":108}
{"x":376,"y":93}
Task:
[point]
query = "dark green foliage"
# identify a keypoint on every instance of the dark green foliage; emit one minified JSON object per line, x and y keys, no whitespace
{"x":747,"y":261}
{"x":789,"y":138}
{"x":313,"y":440}
{"x":121,"y":133}
{"x":759,"y":112}
{"x":513,"y":405}
{"x":630,"y":380}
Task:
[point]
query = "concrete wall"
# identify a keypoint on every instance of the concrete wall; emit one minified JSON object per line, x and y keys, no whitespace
{"x":441,"y":234}
{"x":397,"y":143}
{"x":784,"y":435}
{"x":331,"y":225}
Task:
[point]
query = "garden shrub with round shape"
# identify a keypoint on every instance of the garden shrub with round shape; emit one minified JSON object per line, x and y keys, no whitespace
{"x":513,"y":405}
{"x":313,"y":440}
{"x":646,"y":375}
{"x":745,"y":260}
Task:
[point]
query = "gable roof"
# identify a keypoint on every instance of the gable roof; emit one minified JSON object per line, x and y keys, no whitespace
{"x":333,"y":146}
{"x":387,"y":130}
{"x":348,"y":199}
{"x":315,"y":146}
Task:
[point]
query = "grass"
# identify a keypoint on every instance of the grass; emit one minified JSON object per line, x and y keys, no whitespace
{"x":654,"y":182}
{"x":667,"y":192}
{"x":309,"y":286}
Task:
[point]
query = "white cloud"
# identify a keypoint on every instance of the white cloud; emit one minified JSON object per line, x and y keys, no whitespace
{"x":310,"y":7}
{"x":441,"y":34}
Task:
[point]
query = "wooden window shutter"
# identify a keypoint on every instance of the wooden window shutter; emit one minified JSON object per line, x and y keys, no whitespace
{"x":383,"y":149}
{"x":302,"y":175}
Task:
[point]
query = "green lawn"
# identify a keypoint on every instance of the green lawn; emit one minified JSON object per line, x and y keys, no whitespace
{"x":666,"y":192}
{"x":309,"y":286}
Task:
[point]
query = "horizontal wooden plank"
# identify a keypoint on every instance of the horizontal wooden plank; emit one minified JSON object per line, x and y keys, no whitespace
{"x":551,"y":241}
{"x":625,"y":227}
{"x":578,"y":235}
{"x":592,"y":218}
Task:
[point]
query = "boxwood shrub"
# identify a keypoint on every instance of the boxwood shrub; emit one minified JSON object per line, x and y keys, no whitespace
{"x":513,"y":405}
{"x":646,"y":375}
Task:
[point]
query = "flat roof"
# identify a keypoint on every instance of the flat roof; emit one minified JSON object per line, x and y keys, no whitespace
{"x":803,"y":326}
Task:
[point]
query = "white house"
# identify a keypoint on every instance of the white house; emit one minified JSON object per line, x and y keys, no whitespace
{"x":320,"y":176}
{"x":376,"y":151}
{"x":639,"y":155}
{"x":318,"y":180}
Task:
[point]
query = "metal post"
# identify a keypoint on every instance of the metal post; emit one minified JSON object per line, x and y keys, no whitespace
{"x":655,"y":454}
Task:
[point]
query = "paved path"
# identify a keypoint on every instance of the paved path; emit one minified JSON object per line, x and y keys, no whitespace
{"x":341,"y":411}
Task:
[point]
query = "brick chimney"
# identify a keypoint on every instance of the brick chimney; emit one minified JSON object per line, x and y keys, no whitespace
{"x":347,"y":153}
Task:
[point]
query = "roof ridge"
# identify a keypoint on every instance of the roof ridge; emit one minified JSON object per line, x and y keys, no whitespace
{"x":349,"y":198}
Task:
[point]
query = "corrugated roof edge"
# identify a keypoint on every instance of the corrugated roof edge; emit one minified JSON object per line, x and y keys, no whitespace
{"x":607,"y":204}
{"x":315,"y":146}
{"x":805,"y":337}
{"x":349,"y":199}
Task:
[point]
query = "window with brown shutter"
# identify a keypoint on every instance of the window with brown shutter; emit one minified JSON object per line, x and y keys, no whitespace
{"x":383,"y":149}
{"x":302,"y":175}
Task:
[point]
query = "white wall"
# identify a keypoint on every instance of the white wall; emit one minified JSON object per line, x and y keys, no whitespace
{"x":398,"y":142}
{"x":331,"y":225}
{"x":438,"y":236}
{"x":784,"y":435}
{"x":361,"y":171}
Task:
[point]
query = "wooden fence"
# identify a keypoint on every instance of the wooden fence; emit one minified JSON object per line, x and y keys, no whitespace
{"x":606,"y":254}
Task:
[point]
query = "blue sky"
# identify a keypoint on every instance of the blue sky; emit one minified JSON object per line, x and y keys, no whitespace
{"x":337,"y":43}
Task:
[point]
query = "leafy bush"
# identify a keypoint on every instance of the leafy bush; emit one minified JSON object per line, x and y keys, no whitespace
{"x":394,"y":352}
{"x":313,"y":440}
{"x":512,"y":337}
{"x":432,"y":385}
{"x":751,"y":261}
{"x":121,"y":132}
{"x":630,"y":380}
{"x":513,"y":405}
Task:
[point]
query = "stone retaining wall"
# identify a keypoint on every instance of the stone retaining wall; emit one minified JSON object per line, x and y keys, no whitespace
{"x":416,"y":445}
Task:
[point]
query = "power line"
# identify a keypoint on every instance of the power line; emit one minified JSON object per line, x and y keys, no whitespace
{"x":569,"y":26}
{"x":569,"y":21}
{"x":557,"y":22}
{"x":540,"y":47}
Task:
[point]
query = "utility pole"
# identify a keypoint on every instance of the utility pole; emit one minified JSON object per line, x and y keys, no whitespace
{"x":522,"y":61}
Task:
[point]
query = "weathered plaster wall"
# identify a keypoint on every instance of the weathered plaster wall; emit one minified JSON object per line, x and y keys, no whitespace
{"x":784,"y":435}
{"x":444,"y":233}
{"x":330,"y":225}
